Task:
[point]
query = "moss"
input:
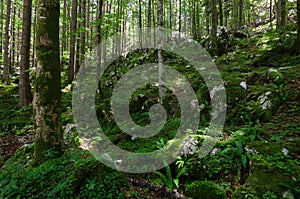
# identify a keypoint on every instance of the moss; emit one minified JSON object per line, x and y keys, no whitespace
{"x":263,"y":178}
{"x":204,"y":190}
{"x":115,"y":139}
{"x":88,"y":168}
{"x":266,"y":148}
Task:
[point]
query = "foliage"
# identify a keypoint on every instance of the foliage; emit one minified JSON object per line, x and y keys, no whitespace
{"x":168,"y":180}
{"x":55,"y":178}
{"x":204,"y":190}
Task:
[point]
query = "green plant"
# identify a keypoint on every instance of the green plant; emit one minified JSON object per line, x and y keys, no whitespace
{"x":204,"y":190}
{"x":269,"y":195}
{"x":168,"y":179}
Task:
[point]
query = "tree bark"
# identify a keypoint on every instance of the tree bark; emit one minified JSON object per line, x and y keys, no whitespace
{"x":221,"y":12}
{"x":7,"y":42}
{"x":179,"y":18}
{"x":279,"y":12}
{"x":24,"y":83}
{"x":1,"y":28}
{"x":297,"y":44}
{"x":283,"y":13}
{"x":72,"y":61}
{"x":83,"y":33}
{"x":47,"y":96}
{"x":241,"y":9}
{"x":214,"y":27}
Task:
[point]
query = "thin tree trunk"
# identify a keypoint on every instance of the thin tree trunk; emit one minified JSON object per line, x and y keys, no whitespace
{"x":207,"y":18}
{"x":33,"y":58}
{"x":47,"y":96}
{"x":24,"y":83}
{"x":221,"y":12}
{"x":179,"y":23}
{"x":279,"y":12}
{"x":82,"y":34}
{"x":161,"y":70}
{"x":64,"y":29}
{"x":270,"y":13}
{"x":214,"y":22}
{"x":170,"y":14}
{"x":283,"y":13}
{"x":297,"y":44}
{"x":1,"y":28}
{"x":241,"y":9}
{"x":13,"y":38}
{"x":73,"y":29}
{"x":7,"y":42}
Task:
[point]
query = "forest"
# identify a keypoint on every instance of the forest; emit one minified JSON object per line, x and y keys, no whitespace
{"x":150,"y":99}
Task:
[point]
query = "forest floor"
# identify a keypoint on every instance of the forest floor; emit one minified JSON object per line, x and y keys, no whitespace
{"x":70,"y":174}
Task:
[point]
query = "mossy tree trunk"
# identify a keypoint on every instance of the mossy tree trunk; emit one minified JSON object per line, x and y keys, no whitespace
{"x":46,"y":102}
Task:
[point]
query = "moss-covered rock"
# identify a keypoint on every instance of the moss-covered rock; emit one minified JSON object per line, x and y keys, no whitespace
{"x":274,"y":76}
{"x":266,"y":148}
{"x":204,"y":190}
{"x":88,"y":168}
{"x":264,"y":178}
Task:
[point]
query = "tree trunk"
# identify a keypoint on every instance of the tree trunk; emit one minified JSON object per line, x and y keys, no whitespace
{"x":179,"y":23}
{"x":64,"y":29}
{"x":241,"y":9}
{"x":161,"y":69}
{"x":47,"y":96}
{"x":24,"y":83}
{"x":72,"y":61}
{"x":283,"y":13}
{"x":13,"y":38}
{"x":297,"y":45}
{"x":7,"y":47}
{"x":270,"y":14}
{"x":214,"y":16}
{"x":207,"y":17}
{"x":82,"y":34}
{"x":1,"y":28}
{"x":221,"y":12}
{"x":279,"y":12}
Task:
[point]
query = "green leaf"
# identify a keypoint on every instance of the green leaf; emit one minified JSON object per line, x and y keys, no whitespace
{"x":244,"y":161}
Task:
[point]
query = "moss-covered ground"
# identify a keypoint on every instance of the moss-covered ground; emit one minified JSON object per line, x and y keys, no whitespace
{"x":256,"y":157}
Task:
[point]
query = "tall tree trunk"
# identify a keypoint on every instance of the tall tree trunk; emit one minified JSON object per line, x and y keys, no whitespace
{"x":24,"y":83}
{"x":270,"y":13}
{"x":214,"y":24}
{"x":279,"y":12}
{"x":207,"y":13}
{"x":33,"y":56}
{"x":241,"y":9}
{"x":1,"y":29}
{"x":149,"y":13}
{"x":7,"y":42}
{"x":82,"y":34}
{"x":13,"y":38}
{"x":179,"y":23}
{"x":221,"y":12}
{"x":170,"y":14}
{"x":72,"y":61}
{"x":47,"y":96}
{"x":161,"y":70}
{"x":64,"y":29}
{"x":283,"y":13}
{"x":297,"y":44}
